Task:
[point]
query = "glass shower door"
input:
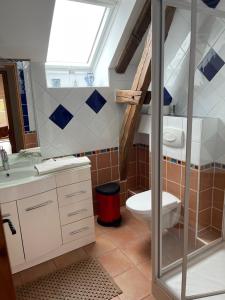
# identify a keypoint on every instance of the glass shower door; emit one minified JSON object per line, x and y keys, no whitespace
{"x":206,"y":270}
{"x":189,"y":255}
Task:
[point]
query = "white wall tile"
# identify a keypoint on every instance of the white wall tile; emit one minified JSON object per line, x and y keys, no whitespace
{"x":172,"y":152}
{"x":196,"y":129}
{"x":87,"y":130}
{"x":145,"y":124}
{"x":209,"y":28}
{"x":195,"y":153}
{"x":175,"y":122}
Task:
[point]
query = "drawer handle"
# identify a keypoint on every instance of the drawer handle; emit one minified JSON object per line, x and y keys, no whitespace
{"x":75,"y":193}
{"x":11,"y":226}
{"x":39,"y":205}
{"x":79,"y":230}
{"x":74,"y":213}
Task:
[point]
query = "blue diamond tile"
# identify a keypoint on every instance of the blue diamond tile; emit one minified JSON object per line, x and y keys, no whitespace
{"x":211,"y":64}
{"x":25,"y":110}
{"x":211,"y":3}
{"x":96,"y":101}
{"x":26,"y":121}
{"x":61,"y":116}
{"x":167,"y":97}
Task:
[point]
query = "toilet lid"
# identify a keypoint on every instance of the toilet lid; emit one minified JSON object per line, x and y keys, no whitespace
{"x":142,"y":202}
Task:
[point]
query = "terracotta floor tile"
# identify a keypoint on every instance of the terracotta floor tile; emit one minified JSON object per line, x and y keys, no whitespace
{"x":129,"y":221}
{"x":149,"y":297}
{"x":122,"y":235}
{"x":37,"y":271}
{"x":115,"y":262}
{"x":133,"y":284}
{"x":70,"y":258}
{"x":99,"y":230}
{"x":102,"y":245}
{"x":138,"y":251}
{"x":124,"y":252}
{"x":17,"y":279}
{"x":146,"y":269}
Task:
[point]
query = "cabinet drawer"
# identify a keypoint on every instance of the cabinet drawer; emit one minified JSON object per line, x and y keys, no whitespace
{"x":76,"y":211}
{"x":74,"y":193}
{"x":78,"y":230}
{"x":73,"y":176}
{"x":14,"y":242}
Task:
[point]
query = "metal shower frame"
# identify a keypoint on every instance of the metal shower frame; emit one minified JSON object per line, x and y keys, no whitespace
{"x":158,"y":25}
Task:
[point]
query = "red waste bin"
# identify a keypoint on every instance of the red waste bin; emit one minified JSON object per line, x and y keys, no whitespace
{"x":108,"y":199}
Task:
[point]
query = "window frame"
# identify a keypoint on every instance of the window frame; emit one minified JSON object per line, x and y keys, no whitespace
{"x":101,"y":37}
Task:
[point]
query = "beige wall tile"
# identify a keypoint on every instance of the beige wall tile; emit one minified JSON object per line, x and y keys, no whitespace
{"x":218,"y":198}
{"x":174,"y":189}
{"x":205,"y":199}
{"x":219,"y":179}
{"x":217,"y":217}
{"x":204,"y":218}
{"x":206,"y":179}
{"x":174,"y":172}
{"x":103,"y":160}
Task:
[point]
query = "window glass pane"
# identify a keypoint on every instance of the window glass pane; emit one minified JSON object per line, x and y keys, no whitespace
{"x":74,"y":30}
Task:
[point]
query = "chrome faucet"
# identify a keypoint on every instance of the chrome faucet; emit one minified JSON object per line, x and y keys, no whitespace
{"x":5,"y":159}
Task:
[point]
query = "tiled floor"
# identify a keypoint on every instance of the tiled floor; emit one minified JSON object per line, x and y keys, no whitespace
{"x":125,"y":252}
{"x":209,"y":235}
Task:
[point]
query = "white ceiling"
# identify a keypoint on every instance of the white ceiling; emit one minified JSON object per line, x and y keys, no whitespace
{"x":25,"y":28}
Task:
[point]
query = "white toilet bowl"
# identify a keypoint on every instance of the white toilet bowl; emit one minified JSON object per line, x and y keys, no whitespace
{"x":140,"y":205}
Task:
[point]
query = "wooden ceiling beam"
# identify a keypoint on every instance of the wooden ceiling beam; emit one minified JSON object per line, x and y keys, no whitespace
{"x":135,"y":38}
{"x":141,"y":83}
{"x":131,"y":97}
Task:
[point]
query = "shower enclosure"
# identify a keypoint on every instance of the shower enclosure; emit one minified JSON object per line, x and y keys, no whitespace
{"x":189,"y":259}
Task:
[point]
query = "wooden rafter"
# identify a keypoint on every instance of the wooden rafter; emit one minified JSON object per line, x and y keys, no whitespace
{"x":138,"y":91}
{"x":135,"y":38}
{"x":131,"y":97}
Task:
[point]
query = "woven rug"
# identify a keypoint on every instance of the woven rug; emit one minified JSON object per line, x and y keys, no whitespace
{"x":85,"y":280}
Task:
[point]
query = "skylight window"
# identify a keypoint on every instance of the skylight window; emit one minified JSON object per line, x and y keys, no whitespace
{"x":77,"y":28}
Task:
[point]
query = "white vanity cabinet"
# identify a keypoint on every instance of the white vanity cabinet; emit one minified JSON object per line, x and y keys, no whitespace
{"x":40,"y":225}
{"x":52,"y":215}
{"x":14,"y":241}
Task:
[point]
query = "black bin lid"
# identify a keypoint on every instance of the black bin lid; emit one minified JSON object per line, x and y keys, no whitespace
{"x":111,"y":188}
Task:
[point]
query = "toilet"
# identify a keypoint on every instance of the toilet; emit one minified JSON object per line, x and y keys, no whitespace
{"x":140,"y":205}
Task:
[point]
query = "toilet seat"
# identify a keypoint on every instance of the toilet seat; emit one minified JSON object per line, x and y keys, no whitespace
{"x":142,"y":203}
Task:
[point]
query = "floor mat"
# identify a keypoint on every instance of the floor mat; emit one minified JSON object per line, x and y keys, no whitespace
{"x":85,"y":280}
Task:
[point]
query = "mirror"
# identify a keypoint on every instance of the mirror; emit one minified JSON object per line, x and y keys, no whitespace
{"x":17,"y":121}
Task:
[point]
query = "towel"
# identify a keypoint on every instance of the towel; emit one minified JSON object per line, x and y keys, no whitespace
{"x":59,"y":164}
{"x":35,"y":152}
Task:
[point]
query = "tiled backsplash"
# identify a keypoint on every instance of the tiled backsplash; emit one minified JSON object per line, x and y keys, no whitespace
{"x":74,"y":120}
{"x":207,"y":186}
{"x":206,"y":197}
{"x":30,"y":140}
{"x":105,"y":168}
{"x":207,"y":182}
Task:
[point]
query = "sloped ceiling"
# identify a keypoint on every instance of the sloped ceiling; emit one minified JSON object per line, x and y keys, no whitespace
{"x":25,"y":28}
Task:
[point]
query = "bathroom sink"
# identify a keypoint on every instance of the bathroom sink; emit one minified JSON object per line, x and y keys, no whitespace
{"x":16,"y":176}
